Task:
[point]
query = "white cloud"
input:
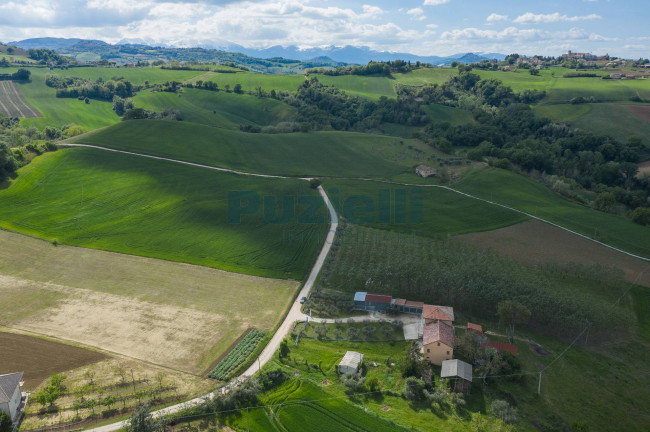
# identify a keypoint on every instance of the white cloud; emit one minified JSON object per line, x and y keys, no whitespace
{"x":431,"y":26}
{"x":435,"y":2}
{"x":531,"y":18}
{"x":415,"y":11}
{"x":494,"y":17}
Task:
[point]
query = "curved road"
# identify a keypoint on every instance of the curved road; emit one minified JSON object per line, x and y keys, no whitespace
{"x":294,"y":314}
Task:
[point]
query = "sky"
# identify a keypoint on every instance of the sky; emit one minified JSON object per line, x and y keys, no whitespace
{"x":423,"y":27}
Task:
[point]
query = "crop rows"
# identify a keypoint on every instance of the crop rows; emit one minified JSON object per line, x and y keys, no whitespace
{"x":12,"y":102}
{"x":237,"y":356}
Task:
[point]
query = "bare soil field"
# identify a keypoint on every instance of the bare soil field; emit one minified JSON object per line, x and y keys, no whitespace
{"x":12,"y":102}
{"x":175,"y":315}
{"x":644,"y":168}
{"x":535,"y":242}
{"x":40,"y":358}
{"x":641,"y":111}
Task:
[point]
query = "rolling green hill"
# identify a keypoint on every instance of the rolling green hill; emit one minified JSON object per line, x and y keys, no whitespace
{"x":138,"y":76}
{"x":221,"y":109}
{"x":250,"y":81}
{"x":140,"y":206}
{"x":297,"y":154}
{"x":371,"y":87}
{"x":519,"y":192}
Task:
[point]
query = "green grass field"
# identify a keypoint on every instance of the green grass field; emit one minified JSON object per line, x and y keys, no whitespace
{"x":221,"y":109}
{"x":422,"y":77}
{"x":297,"y":154}
{"x":442,"y":113}
{"x":137,"y":76}
{"x":442,"y":212}
{"x":366,"y":86}
{"x":144,"y":207}
{"x":61,"y":111}
{"x":602,"y":119}
{"x":250,"y":81}
{"x":516,"y":191}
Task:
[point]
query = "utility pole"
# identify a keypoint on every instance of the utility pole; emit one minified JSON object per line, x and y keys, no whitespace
{"x":539,"y":385}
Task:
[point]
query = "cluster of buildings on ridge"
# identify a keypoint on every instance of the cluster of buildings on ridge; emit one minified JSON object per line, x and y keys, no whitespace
{"x":436,"y":335}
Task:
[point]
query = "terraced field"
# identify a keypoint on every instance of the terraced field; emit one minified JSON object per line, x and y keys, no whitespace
{"x":12,"y":102}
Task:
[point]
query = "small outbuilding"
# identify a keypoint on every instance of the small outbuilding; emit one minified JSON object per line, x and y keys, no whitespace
{"x":425,"y":171}
{"x":476,"y":328}
{"x":10,"y":394}
{"x":460,"y":373}
{"x":372,"y":302}
{"x":501,"y":347}
{"x":351,"y":362}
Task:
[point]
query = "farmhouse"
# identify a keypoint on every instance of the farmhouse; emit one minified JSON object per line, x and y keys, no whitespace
{"x":476,"y":328}
{"x":408,"y":306}
{"x":10,"y":394}
{"x":460,"y":372}
{"x":432,"y":313}
{"x":425,"y":171}
{"x":351,"y":362}
{"x":438,"y":342}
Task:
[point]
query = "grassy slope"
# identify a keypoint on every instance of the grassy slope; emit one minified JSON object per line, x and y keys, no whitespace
{"x":524,"y":194}
{"x":250,"y":81}
{"x":319,"y":154}
{"x":163,"y":210}
{"x":62,"y":111}
{"x":603,"y":119}
{"x":442,"y":113}
{"x":221,"y":109}
{"x":443,"y":212}
{"x":372,"y":87}
{"x":422,"y":77}
{"x":137,"y":76}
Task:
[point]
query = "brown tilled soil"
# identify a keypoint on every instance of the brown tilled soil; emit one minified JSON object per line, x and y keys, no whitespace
{"x":641,"y":111}
{"x":644,"y":168}
{"x":40,"y":358}
{"x":534,"y":243}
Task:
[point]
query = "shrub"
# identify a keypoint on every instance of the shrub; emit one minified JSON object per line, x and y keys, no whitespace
{"x":502,"y":410}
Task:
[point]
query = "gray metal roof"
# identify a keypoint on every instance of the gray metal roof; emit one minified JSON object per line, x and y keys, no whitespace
{"x":360,"y":296}
{"x":351,"y":359}
{"x":456,"y":368}
{"x":8,"y":384}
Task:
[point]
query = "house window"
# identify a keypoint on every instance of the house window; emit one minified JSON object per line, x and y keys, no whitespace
{"x":447,"y":352}
{"x":438,"y":343}
{"x":428,"y":350}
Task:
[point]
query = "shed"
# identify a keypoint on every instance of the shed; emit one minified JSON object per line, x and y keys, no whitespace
{"x":501,"y":347}
{"x":476,"y":328}
{"x":10,"y":394}
{"x":372,"y":302}
{"x":408,"y":306}
{"x":351,"y":362}
{"x":460,"y":372}
{"x":425,"y":171}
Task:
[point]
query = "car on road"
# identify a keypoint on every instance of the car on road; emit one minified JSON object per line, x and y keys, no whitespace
{"x":303,"y":300}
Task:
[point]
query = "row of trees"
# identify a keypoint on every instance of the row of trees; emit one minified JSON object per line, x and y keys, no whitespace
{"x":98,"y":90}
{"x":19,"y":75}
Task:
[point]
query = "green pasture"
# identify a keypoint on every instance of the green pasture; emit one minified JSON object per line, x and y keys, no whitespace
{"x":298,"y":154}
{"x":371,"y":87}
{"x":442,"y":113}
{"x":519,"y":192}
{"x":521,"y":80}
{"x":602,"y":119}
{"x":221,"y":109}
{"x":251,"y":81}
{"x":138,"y":76}
{"x":103,"y":200}
{"x":421,"y":77}
{"x":61,"y":111}
{"x":414,"y":210}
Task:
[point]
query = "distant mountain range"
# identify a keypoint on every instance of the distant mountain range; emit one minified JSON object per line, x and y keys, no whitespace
{"x":345,"y":54}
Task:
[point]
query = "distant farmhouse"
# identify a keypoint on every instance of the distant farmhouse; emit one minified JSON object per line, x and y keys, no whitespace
{"x":438,"y":342}
{"x":10,"y":394}
{"x":425,"y":171}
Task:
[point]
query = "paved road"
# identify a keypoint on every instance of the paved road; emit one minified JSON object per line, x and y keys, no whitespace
{"x":295,"y":314}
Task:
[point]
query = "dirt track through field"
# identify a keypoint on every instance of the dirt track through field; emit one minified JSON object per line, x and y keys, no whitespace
{"x":534,"y":243}
{"x":13,"y":103}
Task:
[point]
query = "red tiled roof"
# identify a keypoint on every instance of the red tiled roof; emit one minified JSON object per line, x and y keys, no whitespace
{"x":502,"y":346}
{"x":400,"y":302}
{"x":438,"y":331}
{"x":378,"y":298}
{"x":444,"y":313}
{"x":414,"y":304}
{"x":475,"y":327}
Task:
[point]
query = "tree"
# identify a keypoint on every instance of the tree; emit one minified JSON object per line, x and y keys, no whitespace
{"x":142,"y":421}
{"x":284,"y":349}
{"x":512,"y":313}
{"x":641,"y":215}
{"x":533,"y":71}
{"x":502,"y":410}
{"x":6,"y":425}
{"x":605,"y":201}
{"x":237,"y":88}
{"x":21,"y":75}
{"x":414,"y":389}
{"x":8,"y":164}
{"x":353,"y":381}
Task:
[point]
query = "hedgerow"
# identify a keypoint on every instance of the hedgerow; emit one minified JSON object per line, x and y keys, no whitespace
{"x":237,"y":356}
